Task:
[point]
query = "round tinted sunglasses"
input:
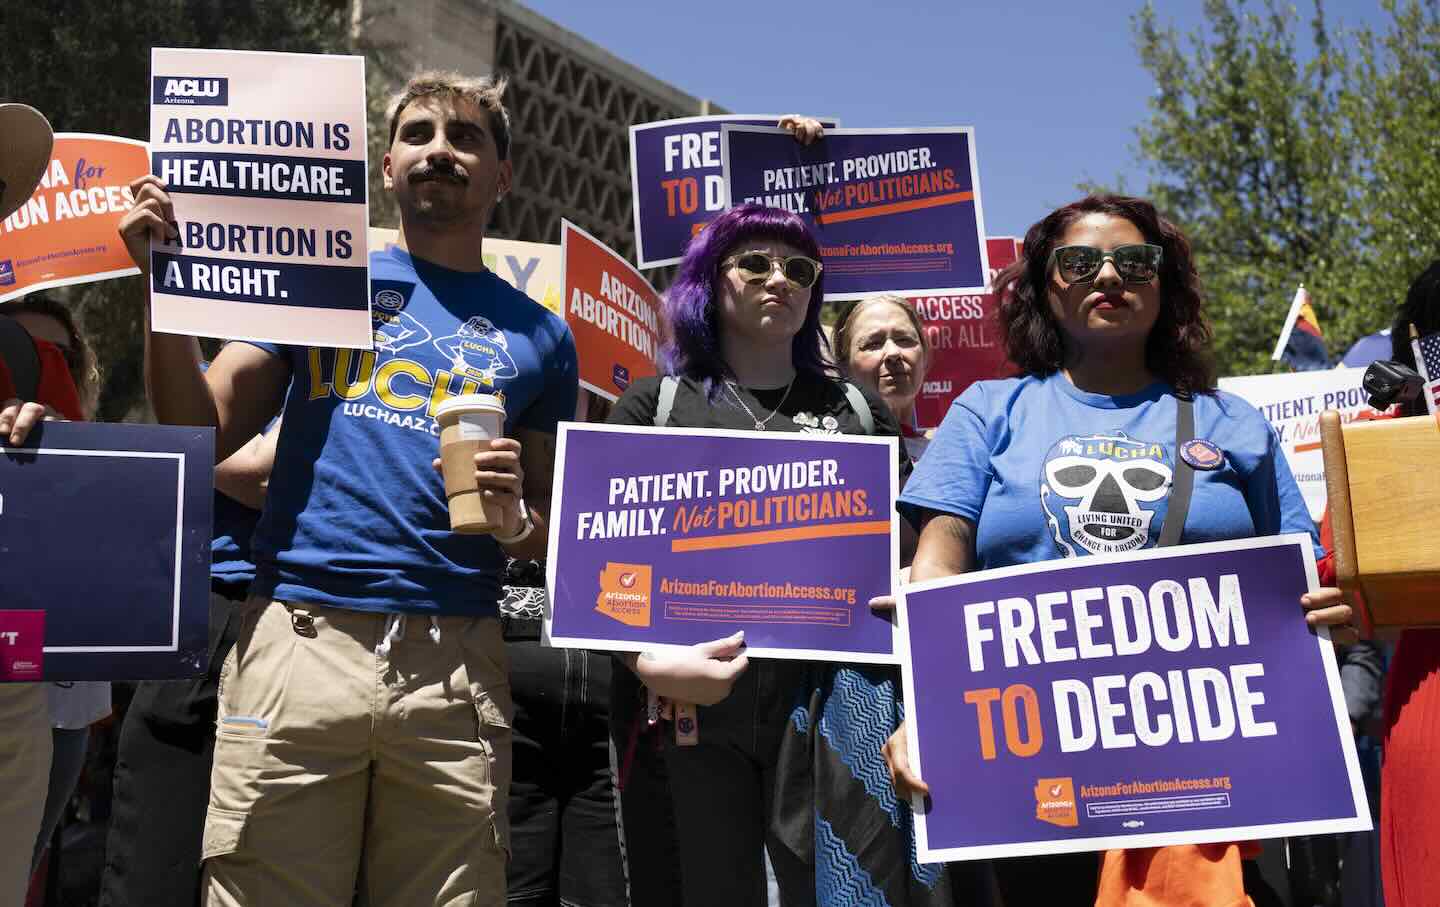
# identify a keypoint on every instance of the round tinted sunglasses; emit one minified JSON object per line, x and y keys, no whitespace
{"x":1137,"y":263}
{"x":756,"y":267}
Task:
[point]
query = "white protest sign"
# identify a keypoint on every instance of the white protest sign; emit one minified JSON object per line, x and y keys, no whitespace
{"x":263,"y":155}
{"x":1292,"y":404}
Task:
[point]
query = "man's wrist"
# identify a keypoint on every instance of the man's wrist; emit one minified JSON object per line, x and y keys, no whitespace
{"x":527,"y":526}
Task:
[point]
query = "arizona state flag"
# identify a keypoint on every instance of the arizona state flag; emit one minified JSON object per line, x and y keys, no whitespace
{"x":1302,"y":343}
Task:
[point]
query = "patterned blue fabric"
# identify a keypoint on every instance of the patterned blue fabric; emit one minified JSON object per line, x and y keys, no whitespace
{"x":839,"y":877}
{"x":858,"y":718}
{"x":837,"y":805}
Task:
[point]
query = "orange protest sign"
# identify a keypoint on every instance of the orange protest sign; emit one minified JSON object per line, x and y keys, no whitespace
{"x":66,"y":232}
{"x":613,"y":312}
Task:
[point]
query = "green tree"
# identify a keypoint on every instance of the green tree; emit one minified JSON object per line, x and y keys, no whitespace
{"x":1286,"y":167}
{"x":1397,"y":117}
{"x":86,"y":66}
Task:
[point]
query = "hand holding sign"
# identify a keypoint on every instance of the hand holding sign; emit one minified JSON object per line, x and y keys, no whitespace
{"x":904,"y":778}
{"x":1326,"y":607}
{"x":807,"y":130}
{"x":704,"y":674}
{"x":151,"y":219}
{"x":18,"y":418}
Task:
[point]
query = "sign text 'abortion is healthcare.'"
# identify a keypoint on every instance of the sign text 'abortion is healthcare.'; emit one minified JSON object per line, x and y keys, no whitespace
{"x":670,"y":537}
{"x":112,"y":524}
{"x":263,"y":155}
{"x":676,"y":183}
{"x":66,"y":232}
{"x":893,"y":210}
{"x":1169,"y":697}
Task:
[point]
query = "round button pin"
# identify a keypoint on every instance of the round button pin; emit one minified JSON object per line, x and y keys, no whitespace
{"x":1202,"y":454}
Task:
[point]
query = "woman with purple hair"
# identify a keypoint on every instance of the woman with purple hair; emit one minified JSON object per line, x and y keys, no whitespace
{"x":765,"y":769}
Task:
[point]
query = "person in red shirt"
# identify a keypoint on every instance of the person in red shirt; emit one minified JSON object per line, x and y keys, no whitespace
{"x":25,"y":748}
{"x":54,"y":389}
{"x":1410,"y":782}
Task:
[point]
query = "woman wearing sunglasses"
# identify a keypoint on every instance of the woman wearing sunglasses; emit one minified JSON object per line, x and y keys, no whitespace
{"x":746,"y":352}
{"x":1076,"y":457}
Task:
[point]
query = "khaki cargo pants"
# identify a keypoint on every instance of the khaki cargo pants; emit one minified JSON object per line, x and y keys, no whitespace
{"x":359,"y":752}
{"x":24,"y":778}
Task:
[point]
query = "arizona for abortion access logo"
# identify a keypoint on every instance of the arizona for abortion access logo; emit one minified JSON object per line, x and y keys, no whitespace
{"x":625,"y":593}
{"x":192,"y":91}
{"x":1055,"y":802}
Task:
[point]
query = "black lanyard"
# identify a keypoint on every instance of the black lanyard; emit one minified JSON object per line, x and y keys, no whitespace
{"x":1184,"y":475}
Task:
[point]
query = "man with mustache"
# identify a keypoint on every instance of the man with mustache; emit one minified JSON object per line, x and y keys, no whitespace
{"x":364,"y":721}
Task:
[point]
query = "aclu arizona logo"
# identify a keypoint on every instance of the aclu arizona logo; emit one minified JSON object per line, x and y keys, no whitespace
{"x":625,"y":593}
{"x":192,"y":91}
{"x":7,"y":273}
{"x":1055,"y":802}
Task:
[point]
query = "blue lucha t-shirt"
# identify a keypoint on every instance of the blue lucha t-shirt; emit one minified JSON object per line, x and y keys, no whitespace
{"x":1046,"y":470}
{"x":230,"y":561}
{"x":355,"y":516}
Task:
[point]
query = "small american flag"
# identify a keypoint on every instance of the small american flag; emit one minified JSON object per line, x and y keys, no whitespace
{"x":1427,"y":360}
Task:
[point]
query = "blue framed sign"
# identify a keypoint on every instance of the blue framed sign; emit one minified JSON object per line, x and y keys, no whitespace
{"x":105,"y":529}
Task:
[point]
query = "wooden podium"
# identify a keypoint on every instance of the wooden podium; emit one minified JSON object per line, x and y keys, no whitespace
{"x":1382,"y":479}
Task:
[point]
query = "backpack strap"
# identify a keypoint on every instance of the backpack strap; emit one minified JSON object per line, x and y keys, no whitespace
{"x":861,"y":407}
{"x":22,"y":360}
{"x":668,"y":385}
{"x":1184,"y":476}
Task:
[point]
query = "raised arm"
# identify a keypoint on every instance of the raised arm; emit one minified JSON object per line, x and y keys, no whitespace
{"x":244,"y":386}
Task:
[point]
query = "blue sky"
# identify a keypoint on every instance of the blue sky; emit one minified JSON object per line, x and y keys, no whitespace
{"x":1054,"y":89}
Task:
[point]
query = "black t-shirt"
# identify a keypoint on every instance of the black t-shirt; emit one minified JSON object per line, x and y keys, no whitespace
{"x":814,"y":404}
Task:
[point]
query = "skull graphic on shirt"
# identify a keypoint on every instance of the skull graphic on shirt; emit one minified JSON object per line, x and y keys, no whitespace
{"x":1101,"y":492}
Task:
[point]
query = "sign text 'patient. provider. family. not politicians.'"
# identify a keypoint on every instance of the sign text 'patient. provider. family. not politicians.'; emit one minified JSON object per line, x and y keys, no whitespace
{"x":893,"y":210}
{"x":670,"y":537}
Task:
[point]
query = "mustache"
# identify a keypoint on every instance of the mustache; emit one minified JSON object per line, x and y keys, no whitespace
{"x":432,"y":172}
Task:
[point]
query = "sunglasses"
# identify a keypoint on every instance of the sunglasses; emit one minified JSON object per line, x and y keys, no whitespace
{"x":1138,"y":263}
{"x":756,"y":267}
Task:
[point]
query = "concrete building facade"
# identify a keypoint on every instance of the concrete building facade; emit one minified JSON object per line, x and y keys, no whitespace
{"x":571,"y":101}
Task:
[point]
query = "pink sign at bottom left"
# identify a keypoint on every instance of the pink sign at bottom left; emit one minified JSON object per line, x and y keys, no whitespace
{"x":22,"y":645}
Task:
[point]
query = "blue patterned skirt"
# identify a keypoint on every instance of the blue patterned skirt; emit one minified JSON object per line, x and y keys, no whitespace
{"x":835,"y":806}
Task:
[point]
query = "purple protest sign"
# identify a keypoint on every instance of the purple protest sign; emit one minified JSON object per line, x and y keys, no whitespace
{"x":664,"y":537}
{"x":675,"y":181}
{"x":894,"y":210}
{"x":1168,"y":697}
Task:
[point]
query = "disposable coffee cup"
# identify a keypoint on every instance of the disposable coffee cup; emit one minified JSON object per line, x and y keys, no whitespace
{"x":467,"y":422}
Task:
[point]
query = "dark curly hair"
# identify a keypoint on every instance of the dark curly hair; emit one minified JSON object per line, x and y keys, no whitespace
{"x":1421,"y":309}
{"x":1178,"y":348}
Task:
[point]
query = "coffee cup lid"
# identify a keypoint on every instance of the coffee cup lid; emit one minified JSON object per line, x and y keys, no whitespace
{"x":25,"y":144}
{"x":471,"y":402}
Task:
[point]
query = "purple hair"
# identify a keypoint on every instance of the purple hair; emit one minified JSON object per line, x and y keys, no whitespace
{"x":692,"y":347}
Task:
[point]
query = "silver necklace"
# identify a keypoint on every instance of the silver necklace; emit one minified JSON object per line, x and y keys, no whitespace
{"x":759,"y":423}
